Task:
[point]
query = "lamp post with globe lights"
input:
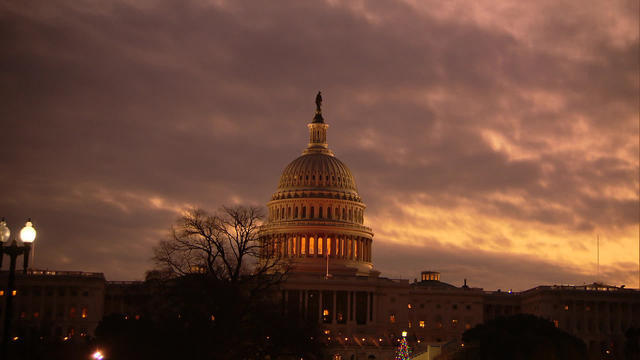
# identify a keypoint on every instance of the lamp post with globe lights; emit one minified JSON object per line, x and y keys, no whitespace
{"x":27,"y":235}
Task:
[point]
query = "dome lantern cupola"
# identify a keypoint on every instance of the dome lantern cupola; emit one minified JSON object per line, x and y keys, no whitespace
{"x":318,"y":131}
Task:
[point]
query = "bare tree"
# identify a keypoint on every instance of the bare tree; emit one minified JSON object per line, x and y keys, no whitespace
{"x":224,"y":245}
{"x":214,"y":295}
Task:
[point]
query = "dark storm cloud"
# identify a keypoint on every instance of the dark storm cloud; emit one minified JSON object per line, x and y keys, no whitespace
{"x":116,"y":115}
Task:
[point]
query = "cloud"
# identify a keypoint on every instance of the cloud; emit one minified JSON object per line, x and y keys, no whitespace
{"x":504,"y":129}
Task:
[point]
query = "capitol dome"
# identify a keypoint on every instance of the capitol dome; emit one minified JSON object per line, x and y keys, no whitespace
{"x":316,"y":217}
{"x":317,"y":170}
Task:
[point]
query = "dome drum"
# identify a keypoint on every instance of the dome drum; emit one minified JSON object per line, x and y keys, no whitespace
{"x":346,"y":253}
{"x":316,"y":209}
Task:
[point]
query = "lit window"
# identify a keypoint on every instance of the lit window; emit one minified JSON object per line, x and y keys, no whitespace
{"x":454,"y":323}
{"x":421,"y":323}
{"x":14,"y":292}
{"x":327,"y":332}
{"x":409,"y":325}
{"x":408,"y":306}
{"x":556,"y":323}
{"x":84,"y":313}
{"x":566,"y":307}
{"x":213,"y":318}
{"x":325,"y":312}
{"x":1,"y":292}
{"x":72,"y":312}
{"x":392,"y":318}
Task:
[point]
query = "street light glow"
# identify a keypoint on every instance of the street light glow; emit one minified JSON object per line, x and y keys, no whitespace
{"x":97,"y":355}
{"x":4,"y":231}
{"x":28,"y":233}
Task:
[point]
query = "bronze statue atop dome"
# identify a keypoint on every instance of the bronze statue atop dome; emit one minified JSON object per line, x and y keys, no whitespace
{"x":319,"y":101}
{"x":318,"y":118}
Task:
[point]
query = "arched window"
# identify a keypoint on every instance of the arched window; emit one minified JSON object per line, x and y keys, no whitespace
{"x":320,"y":212}
{"x":320,"y":243}
{"x":289,"y":212}
{"x":350,"y":214}
{"x":304,"y":212}
{"x":311,"y":213}
{"x":328,"y":246}
{"x":312,"y":246}
{"x":344,"y":213}
{"x":303,"y":246}
{"x":295,"y":213}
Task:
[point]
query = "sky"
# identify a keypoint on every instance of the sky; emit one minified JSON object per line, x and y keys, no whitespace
{"x":491,"y":140}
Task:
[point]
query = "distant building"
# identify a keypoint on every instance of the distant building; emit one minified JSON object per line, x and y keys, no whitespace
{"x":55,"y":304}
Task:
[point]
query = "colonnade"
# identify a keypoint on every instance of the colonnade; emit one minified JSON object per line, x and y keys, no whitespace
{"x":302,"y":211}
{"x":331,"y":307}
{"x":318,"y":245}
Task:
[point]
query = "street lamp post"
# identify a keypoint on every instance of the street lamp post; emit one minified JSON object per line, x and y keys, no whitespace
{"x":27,"y":235}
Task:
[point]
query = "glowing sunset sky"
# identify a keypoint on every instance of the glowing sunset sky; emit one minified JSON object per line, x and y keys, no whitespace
{"x":490,"y":140}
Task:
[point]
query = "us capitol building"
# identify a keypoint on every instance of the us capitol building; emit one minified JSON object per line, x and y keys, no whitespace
{"x":316,"y":223}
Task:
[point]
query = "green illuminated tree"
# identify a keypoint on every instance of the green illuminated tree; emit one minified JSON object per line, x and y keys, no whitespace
{"x":403,"y":350}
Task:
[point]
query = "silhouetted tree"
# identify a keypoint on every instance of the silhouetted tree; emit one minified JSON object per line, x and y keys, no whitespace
{"x":520,"y":337}
{"x":213,"y":297}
